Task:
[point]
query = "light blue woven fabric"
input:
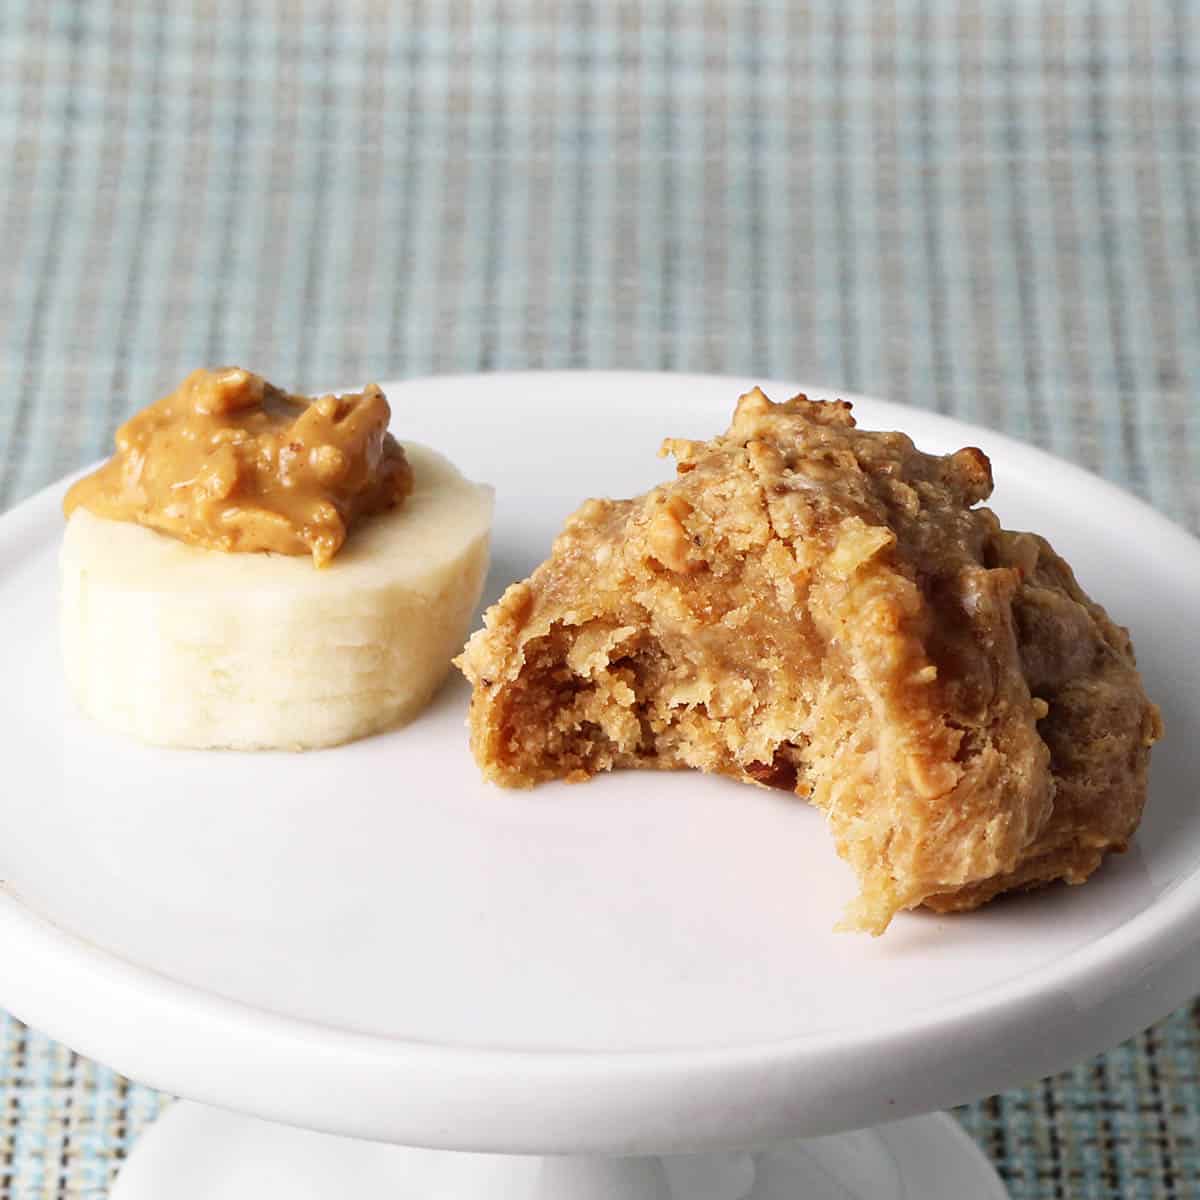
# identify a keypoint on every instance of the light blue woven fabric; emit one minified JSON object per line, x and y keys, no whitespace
{"x":991,"y":208}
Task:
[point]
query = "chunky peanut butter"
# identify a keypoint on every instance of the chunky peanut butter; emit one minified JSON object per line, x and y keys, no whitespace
{"x":230,"y":462}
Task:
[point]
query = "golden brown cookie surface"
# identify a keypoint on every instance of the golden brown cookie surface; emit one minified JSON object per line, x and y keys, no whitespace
{"x":816,"y":607}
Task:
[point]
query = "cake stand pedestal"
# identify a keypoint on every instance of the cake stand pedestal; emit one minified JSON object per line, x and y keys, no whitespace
{"x":576,"y":992}
{"x":198,"y":1153}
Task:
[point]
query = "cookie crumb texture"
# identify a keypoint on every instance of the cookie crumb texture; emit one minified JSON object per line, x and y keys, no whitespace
{"x":824,"y":609}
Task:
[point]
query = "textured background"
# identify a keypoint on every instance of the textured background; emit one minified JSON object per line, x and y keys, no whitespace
{"x":991,"y":208}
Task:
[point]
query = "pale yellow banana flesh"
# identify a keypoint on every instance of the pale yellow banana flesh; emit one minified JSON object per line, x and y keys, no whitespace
{"x":181,"y":646}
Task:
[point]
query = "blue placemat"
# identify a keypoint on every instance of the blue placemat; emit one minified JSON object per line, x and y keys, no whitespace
{"x":990,"y":208}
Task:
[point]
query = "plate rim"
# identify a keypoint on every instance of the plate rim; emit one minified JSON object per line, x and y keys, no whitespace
{"x":1113,"y":985}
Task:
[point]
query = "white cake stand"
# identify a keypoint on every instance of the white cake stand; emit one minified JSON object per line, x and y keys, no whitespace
{"x":369,"y":943}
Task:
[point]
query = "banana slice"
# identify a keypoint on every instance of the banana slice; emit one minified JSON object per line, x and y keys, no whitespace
{"x":183,"y":646}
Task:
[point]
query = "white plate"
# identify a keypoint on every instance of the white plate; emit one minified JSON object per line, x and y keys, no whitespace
{"x":371,"y":941}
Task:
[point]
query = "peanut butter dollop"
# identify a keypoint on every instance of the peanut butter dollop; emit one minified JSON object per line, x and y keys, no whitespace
{"x":230,"y":462}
